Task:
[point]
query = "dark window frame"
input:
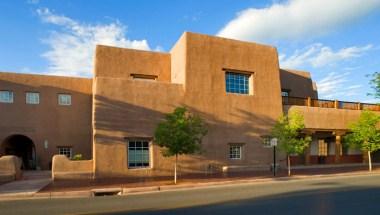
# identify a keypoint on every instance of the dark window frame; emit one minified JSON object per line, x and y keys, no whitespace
{"x":140,"y":147}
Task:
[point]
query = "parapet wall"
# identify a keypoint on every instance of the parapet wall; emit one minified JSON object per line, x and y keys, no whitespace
{"x":10,"y":168}
{"x":63,"y":168}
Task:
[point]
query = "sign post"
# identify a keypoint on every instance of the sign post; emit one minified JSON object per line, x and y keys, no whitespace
{"x":273,"y":143}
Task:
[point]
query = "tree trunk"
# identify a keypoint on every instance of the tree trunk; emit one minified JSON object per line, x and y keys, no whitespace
{"x":369,"y":161}
{"x":175,"y":169}
{"x":288,"y":165}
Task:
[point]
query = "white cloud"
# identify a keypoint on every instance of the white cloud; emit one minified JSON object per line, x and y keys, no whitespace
{"x":334,"y":85}
{"x":327,"y":55}
{"x":295,"y":19}
{"x":72,"y":45}
{"x":318,"y":55}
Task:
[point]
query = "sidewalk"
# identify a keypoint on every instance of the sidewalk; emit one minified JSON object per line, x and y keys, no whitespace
{"x":28,"y":186}
{"x":127,"y":186}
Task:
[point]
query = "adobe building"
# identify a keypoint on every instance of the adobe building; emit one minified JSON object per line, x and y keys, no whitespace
{"x":236,"y":87}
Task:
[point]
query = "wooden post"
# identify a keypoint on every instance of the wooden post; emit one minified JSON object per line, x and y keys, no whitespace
{"x":336,"y":104}
{"x":308,"y":101}
{"x":359,"y":106}
{"x":338,"y":148}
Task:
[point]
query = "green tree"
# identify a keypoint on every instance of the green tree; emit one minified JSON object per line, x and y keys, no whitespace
{"x":180,"y":133}
{"x":287,"y":131}
{"x":365,"y":134}
{"x":375,"y":84}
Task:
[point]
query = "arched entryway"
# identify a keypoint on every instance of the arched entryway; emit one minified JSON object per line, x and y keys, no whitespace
{"x":22,"y":147}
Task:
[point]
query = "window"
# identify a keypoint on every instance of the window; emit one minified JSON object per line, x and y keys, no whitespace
{"x":6,"y":96}
{"x":65,"y":151}
{"x":235,"y":152}
{"x":138,"y":154}
{"x":322,"y":148}
{"x":285,"y":97}
{"x":237,"y":83}
{"x":266,"y":142}
{"x":285,"y":93}
{"x":144,"y":77}
{"x":32,"y":98}
{"x":64,"y":99}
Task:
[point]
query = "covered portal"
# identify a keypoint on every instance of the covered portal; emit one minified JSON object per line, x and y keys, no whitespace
{"x":327,"y":147}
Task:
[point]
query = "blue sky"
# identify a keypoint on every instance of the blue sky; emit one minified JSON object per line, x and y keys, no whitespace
{"x":338,"y":41}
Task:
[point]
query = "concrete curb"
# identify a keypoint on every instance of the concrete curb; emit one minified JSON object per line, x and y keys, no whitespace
{"x":140,"y":189}
{"x":155,"y":189}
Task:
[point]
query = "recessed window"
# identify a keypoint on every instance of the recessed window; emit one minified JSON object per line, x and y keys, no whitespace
{"x":235,"y":152}
{"x":322,"y":148}
{"x":32,"y":98}
{"x":64,"y":99}
{"x":68,"y":151}
{"x":138,"y":154}
{"x":144,"y":77}
{"x":237,"y":83}
{"x":6,"y":96}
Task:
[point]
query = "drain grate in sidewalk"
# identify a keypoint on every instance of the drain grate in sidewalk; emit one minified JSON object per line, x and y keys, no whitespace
{"x":106,"y":192}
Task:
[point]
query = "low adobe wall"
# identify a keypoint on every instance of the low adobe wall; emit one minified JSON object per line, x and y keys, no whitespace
{"x":10,"y":168}
{"x":63,"y":168}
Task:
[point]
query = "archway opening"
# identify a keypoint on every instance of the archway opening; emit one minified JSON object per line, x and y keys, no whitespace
{"x":22,"y":147}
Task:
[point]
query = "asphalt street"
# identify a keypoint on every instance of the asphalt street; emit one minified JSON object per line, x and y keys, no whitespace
{"x":334,"y":195}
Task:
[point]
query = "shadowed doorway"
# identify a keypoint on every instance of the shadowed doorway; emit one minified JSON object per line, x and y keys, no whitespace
{"x":22,"y":147}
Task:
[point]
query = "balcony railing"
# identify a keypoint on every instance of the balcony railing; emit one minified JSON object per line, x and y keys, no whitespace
{"x":322,"y":103}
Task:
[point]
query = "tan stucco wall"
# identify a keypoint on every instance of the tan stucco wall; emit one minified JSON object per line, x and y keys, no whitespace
{"x":48,"y":121}
{"x":326,"y":118}
{"x":233,"y":118}
{"x":115,"y":62}
{"x":178,"y":61}
{"x":127,"y":108}
{"x":299,"y":83}
{"x":64,"y":168}
{"x":10,"y":168}
{"x":132,"y":108}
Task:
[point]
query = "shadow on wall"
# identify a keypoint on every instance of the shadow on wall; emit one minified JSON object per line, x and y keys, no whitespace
{"x":114,"y":120}
{"x":299,"y":83}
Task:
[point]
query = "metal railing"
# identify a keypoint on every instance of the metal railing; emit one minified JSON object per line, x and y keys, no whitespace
{"x":323,"y":103}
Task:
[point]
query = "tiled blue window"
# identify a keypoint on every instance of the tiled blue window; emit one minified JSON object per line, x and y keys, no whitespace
{"x":138,"y":154}
{"x":237,"y":83}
